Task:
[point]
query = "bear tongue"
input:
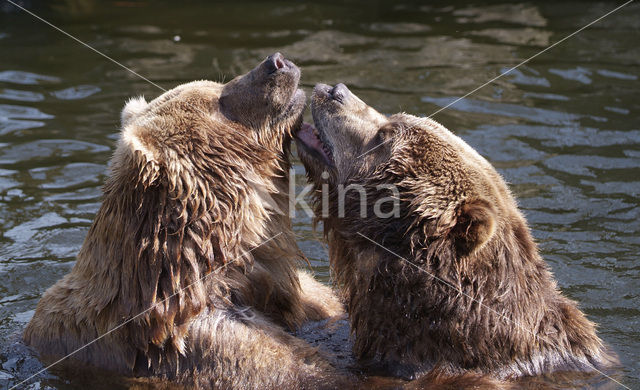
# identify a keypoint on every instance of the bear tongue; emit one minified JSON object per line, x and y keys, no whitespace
{"x":307,"y":135}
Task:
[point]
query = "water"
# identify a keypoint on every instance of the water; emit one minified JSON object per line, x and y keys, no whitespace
{"x":564,"y":129}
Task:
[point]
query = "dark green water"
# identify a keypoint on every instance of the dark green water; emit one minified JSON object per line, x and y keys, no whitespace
{"x":564,"y":129}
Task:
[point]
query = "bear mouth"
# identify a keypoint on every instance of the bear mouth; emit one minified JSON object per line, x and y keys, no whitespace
{"x":309,"y":140}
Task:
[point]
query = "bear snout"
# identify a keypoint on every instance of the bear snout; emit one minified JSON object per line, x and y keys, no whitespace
{"x":339,"y":93}
{"x":275,"y":62}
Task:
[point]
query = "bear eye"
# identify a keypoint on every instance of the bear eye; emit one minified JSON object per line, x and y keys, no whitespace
{"x":386,"y":133}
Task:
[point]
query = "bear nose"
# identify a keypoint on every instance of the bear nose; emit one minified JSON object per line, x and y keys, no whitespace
{"x":339,"y":92}
{"x":275,"y":61}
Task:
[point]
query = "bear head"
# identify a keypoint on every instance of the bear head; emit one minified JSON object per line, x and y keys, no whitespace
{"x":446,"y":191}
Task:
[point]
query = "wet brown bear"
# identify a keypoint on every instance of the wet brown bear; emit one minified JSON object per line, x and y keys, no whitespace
{"x":192,"y":247}
{"x":460,"y":284}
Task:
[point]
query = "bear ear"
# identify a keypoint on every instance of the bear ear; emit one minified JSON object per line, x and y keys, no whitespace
{"x":133,"y":148}
{"x":132,"y":108}
{"x":132,"y":142}
{"x":475,"y":224}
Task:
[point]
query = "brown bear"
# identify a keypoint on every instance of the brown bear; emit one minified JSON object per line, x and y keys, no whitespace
{"x":189,"y":271}
{"x":437,"y":264}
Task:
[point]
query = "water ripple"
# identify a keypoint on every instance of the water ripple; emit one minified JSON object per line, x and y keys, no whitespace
{"x":578,"y":74}
{"x":26,"y":78}
{"x":77,"y":92}
{"x":539,"y":115}
{"x":23,"y":96}
{"x":58,"y":148}
{"x":12,"y":118}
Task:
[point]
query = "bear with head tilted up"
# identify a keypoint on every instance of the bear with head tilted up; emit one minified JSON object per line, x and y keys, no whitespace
{"x":188,"y":273}
{"x":436,"y":262}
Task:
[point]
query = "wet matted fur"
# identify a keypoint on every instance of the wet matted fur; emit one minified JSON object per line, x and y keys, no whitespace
{"x":197,"y":183}
{"x":471,"y":293}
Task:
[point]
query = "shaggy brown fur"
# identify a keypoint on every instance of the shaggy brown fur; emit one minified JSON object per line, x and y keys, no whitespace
{"x":472,"y":294}
{"x":198,"y":182}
